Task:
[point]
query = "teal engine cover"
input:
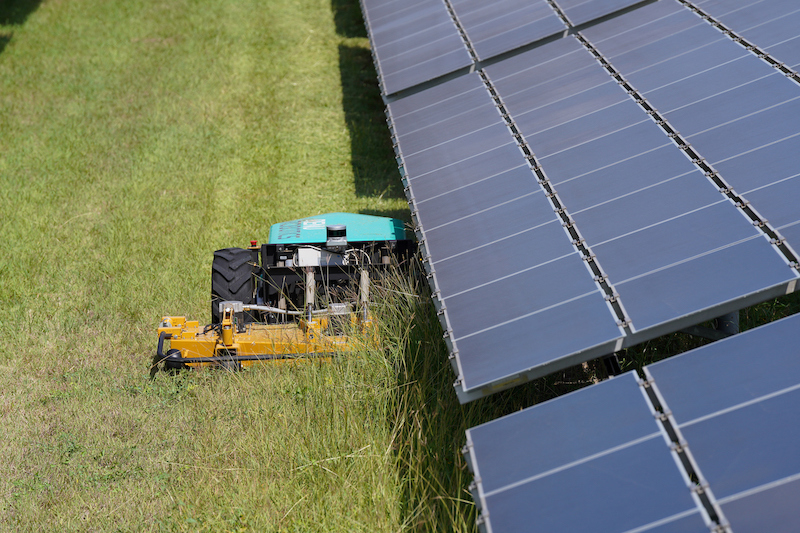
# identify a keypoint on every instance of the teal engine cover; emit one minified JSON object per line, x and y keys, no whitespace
{"x":360,"y":228}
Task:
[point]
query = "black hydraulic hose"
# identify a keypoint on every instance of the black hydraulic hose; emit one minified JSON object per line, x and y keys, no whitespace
{"x":159,"y":357}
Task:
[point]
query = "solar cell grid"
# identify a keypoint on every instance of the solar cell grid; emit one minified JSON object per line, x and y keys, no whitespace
{"x":537,"y":466}
{"x":641,"y":27}
{"x":579,"y":327}
{"x":664,"y":201}
{"x":508,"y":256}
{"x":731,"y":401}
{"x":729,"y":105}
{"x":772,"y":509}
{"x":413,"y":42}
{"x":506,"y":24}
{"x":581,"y":11}
{"x":748,"y":270}
{"x":401,"y":46}
{"x":668,"y":241}
{"x":457,"y":149}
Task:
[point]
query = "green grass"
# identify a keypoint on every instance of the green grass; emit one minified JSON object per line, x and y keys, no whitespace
{"x":136,"y":138}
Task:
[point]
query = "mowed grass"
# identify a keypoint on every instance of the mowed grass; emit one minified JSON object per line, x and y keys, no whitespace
{"x":136,"y":138}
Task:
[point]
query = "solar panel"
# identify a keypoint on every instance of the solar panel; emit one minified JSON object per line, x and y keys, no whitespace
{"x":731,"y":402}
{"x":734,"y":108}
{"x":500,"y":26}
{"x":563,"y":216}
{"x":769,"y":24}
{"x":477,"y":203}
{"x":581,"y":11}
{"x":413,"y":42}
{"x":598,"y":460}
{"x":537,"y":466}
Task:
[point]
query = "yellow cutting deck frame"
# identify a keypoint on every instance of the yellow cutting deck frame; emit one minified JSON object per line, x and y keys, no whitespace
{"x":232,"y":347}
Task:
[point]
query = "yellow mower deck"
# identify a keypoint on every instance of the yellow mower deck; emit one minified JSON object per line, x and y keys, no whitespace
{"x":228,"y":346}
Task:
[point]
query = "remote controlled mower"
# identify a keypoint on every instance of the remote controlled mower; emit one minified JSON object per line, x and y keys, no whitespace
{"x":301,"y":295}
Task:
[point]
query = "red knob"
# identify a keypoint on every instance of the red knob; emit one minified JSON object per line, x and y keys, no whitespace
{"x":253,"y":243}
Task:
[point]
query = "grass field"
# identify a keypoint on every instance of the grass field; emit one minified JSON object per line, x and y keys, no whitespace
{"x":137,"y":137}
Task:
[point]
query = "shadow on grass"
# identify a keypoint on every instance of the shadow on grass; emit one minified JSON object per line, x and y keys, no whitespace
{"x":372,"y":156}
{"x":373,"y":159}
{"x":347,"y":17}
{"x":14,"y":13}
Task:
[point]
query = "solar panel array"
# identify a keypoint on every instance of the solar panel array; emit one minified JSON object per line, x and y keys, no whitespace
{"x":599,"y":189}
{"x":708,"y":440}
{"x":417,"y":41}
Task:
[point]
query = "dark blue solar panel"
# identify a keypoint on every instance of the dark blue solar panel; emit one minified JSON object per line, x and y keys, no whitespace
{"x":553,"y":434}
{"x":519,"y":212}
{"x":592,"y":460}
{"x":749,"y":446}
{"x":659,"y":74}
{"x":641,"y":27}
{"x":766,"y":164}
{"x":506,"y":24}
{"x":455,"y":150}
{"x":616,"y":492}
{"x":673,"y":241}
{"x":624,"y":177}
{"x":563,"y":55}
{"x":470,"y":198}
{"x":773,"y":509}
{"x":595,"y":123}
{"x":605,"y":151}
{"x":672,"y":246}
{"x":539,"y":340}
{"x":773,"y":89}
{"x":744,"y":76}
{"x":580,"y":11}
{"x":533,"y":289}
{"x":667,"y":200}
{"x":422,"y":101}
{"x":464,"y":122}
{"x":507,"y":256}
{"x":413,"y":42}
{"x":665,"y":49}
{"x":735,"y":402}
{"x":792,"y":235}
{"x":780,"y":200}
{"x":692,"y":523}
{"x":732,"y":371}
{"x":481,"y":165}
{"x":747,"y":133}
{"x":749,"y":269}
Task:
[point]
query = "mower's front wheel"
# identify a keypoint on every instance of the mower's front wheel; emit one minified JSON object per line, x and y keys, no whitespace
{"x":233,"y":277}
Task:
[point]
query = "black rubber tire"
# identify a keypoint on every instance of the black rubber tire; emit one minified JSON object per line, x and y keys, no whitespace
{"x":232,"y":278}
